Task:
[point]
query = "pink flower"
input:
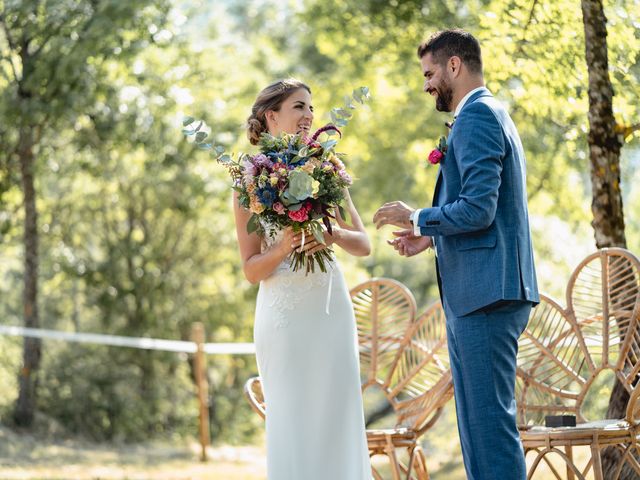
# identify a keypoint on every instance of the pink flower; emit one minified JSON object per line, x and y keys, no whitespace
{"x":278,"y":208}
{"x":435,"y":156}
{"x":299,"y":215}
{"x":302,"y":214}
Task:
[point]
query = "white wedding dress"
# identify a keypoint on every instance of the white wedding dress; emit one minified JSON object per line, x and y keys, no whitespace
{"x":307,"y":354}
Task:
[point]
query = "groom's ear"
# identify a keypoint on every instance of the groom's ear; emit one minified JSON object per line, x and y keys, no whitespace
{"x":454,"y":65}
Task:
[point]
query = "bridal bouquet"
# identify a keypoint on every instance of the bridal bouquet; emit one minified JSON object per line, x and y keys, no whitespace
{"x":294,"y":181}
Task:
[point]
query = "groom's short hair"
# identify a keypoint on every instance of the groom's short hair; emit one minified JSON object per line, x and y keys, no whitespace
{"x":453,"y":43}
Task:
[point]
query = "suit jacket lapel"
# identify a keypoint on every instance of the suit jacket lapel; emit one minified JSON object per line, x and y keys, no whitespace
{"x":434,"y":200}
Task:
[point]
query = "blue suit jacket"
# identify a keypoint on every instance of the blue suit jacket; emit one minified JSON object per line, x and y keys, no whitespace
{"x":479,"y":218}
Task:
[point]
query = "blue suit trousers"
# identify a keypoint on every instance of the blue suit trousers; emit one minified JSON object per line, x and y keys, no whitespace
{"x":482,"y":347}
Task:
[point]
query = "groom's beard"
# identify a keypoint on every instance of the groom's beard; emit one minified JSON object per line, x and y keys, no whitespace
{"x":444,"y":98}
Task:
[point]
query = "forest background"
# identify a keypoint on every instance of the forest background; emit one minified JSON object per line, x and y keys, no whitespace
{"x":135,"y":229}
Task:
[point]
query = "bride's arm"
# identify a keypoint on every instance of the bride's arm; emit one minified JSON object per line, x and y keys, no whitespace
{"x":352,"y":238}
{"x":256,"y":265}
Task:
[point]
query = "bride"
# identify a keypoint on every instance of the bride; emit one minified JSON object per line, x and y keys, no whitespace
{"x":304,"y":332}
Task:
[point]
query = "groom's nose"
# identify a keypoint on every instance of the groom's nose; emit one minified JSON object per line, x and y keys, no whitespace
{"x":425,"y":88}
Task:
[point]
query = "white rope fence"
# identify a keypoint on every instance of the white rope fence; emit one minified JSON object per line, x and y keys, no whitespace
{"x":144,"y":343}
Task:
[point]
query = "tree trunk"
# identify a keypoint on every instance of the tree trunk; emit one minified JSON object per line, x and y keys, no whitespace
{"x":604,"y":151}
{"x":604,"y":142}
{"x":25,"y":405}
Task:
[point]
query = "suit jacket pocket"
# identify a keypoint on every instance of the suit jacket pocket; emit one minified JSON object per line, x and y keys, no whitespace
{"x":471,"y":241}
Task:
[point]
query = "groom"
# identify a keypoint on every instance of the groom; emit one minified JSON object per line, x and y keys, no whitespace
{"x":479,"y":226}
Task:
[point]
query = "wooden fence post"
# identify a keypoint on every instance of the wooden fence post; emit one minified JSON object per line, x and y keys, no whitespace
{"x":200,"y":367}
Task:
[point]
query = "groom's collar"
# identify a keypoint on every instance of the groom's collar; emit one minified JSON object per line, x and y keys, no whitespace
{"x":466,"y":98}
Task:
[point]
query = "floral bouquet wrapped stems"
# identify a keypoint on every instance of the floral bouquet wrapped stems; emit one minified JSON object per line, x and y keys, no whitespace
{"x":294,"y":181}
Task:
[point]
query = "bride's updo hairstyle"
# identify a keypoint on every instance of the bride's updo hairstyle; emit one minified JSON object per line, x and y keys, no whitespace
{"x":270,"y":98}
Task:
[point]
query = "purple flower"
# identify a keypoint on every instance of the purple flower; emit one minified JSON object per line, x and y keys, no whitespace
{"x":262,"y":160}
{"x":345,"y":176}
{"x":248,"y":168}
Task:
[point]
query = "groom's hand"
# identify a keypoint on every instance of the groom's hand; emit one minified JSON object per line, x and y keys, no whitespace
{"x":393,"y":213}
{"x":407,"y":244}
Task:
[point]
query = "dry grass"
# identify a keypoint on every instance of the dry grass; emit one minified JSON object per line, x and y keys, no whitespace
{"x":25,"y":456}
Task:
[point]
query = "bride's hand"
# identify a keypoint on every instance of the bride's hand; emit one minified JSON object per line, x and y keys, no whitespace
{"x":311,"y":245}
{"x":288,"y":242}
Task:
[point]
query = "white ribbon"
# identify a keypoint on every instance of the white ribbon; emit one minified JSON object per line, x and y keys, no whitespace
{"x":326,"y":309}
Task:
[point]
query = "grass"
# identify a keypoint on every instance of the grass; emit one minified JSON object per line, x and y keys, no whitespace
{"x":28,"y":456}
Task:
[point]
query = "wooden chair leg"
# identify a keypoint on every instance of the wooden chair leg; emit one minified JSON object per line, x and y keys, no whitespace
{"x":569,"y":451}
{"x":421,"y":464}
{"x":390,"y":450}
{"x":597,"y":461}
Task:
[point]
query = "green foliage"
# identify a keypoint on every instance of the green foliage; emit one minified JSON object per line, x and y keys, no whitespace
{"x":108,"y":393}
{"x":137,"y":230}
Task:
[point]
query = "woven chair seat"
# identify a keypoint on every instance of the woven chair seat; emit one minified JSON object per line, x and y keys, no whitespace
{"x":607,"y":432}
{"x":399,"y":434}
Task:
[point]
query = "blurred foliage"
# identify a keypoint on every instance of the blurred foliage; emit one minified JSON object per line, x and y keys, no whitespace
{"x":137,"y":232}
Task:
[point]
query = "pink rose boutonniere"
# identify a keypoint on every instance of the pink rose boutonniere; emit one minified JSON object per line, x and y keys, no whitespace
{"x":437,"y":154}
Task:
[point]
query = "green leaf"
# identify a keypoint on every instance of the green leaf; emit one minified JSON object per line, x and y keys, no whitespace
{"x":200,"y":136}
{"x":343,"y":113}
{"x":187,"y":121}
{"x":317,"y":232}
{"x":219,"y":149}
{"x":224,"y":159}
{"x":329,"y":144}
{"x":253,"y":225}
{"x":343,"y":213}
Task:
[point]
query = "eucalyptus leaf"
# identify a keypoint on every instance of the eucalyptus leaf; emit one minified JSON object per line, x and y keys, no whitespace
{"x":329,"y":144}
{"x":187,"y":121}
{"x":200,"y":136}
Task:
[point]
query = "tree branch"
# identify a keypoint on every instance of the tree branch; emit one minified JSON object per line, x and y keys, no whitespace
{"x":627,"y":130}
{"x":523,"y":40}
{"x":55,"y":31}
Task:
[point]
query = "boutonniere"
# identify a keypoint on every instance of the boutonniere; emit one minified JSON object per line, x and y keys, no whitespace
{"x":437,"y":154}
